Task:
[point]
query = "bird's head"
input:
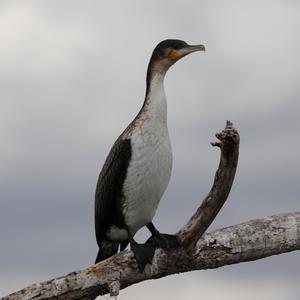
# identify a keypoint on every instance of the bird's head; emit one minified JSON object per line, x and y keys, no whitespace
{"x":167,"y":52}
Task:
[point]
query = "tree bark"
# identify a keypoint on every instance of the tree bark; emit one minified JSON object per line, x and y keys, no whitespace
{"x":244,"y":242}
{"x":240,"y":243}
{"x":229,"y":142}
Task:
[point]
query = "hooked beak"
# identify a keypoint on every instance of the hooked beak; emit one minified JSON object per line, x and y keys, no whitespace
{"x":190,"y":49}
{"x":177,"y":54}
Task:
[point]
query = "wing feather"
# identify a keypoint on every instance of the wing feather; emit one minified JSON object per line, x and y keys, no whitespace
{"x":109,"y":193}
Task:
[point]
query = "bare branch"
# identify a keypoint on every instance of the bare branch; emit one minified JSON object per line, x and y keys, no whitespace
{"x":248,"y":241}
{"x":244,"y":242}
{"x":211,"y":205}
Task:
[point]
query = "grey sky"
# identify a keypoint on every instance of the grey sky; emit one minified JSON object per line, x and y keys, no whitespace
{"x":72,"y":76}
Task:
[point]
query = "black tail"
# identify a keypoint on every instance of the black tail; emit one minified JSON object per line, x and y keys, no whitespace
{"x":106,"y":250}
{"x":123,"y":245}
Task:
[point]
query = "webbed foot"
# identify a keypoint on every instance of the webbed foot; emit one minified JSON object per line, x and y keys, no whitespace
{"x":162,"y":240}
{"x":165,"y":241}
{"x":143,"y":254}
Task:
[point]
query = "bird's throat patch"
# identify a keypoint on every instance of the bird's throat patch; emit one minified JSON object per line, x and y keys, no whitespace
{"x":174,"y":54}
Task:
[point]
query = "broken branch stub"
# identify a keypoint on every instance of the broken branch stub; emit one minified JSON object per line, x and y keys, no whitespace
{"x":229,"y":145}
{"x":120,"y":271}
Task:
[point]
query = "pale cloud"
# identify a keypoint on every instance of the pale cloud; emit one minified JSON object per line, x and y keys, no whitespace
{"x":198,"y":286}
{"x":73,"y":76}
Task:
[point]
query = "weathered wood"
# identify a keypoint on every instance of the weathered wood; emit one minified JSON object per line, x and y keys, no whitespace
{"x":248,"y":241}
{"x":229,"y":144}
{"x":244,"y":242}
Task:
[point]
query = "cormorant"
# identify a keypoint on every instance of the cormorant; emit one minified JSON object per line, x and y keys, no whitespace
{"x":138,"y":168}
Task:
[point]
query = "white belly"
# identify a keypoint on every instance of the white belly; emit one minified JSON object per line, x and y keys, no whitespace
{"x":148,"y":175}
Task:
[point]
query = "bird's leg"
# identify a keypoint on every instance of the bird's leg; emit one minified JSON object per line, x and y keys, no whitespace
{"x":143,"y":253}
{"x":162,"y":240}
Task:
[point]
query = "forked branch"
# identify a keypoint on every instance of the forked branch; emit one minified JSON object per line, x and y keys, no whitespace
{"x":229,"y":141}
{"x":248,"y":241}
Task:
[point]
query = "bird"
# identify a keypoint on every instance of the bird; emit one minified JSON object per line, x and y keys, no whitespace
{"x":138,"y":167}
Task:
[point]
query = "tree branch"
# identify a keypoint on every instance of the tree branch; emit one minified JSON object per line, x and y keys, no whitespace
{"x":244,"y":242}
{"x":248,"y":241}
{"x":229,"y":141}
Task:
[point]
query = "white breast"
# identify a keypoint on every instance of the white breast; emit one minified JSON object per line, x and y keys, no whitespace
{"x":148,"y":174}
{"x":150,"y":167}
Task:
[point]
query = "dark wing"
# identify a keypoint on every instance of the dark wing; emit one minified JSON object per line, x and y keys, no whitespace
{"x":109,"y":188}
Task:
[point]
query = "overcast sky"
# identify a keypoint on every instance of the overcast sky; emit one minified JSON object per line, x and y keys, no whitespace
{"x":72,"y":76}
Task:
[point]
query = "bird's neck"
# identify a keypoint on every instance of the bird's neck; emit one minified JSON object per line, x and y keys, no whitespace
{"x":155,"y":104}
